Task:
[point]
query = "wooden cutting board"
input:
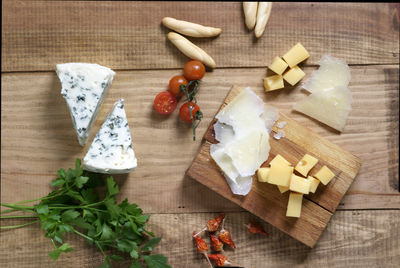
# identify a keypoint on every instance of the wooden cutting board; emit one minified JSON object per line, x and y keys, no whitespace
{"x":264,"y":199}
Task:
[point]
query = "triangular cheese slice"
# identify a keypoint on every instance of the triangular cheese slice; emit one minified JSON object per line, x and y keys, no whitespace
{"x":84,"y":86}
{"x":330,"y":107}
{"x":111,"y":151}
{"x":332,"y":72}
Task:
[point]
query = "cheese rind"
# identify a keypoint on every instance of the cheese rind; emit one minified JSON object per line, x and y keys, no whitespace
{"x":278,"y":159}
{"x":294,"y":75}
{"x":306,"y":164}
{"x":280,"y":175}
{"x":296,"y":55}
{"x":324,"y":175}
{"x":294,"y":205}
{"x":262,"y":174}
{"x":313,"y":184}
{"x":273,"y":82}
{"x":299,"y":184}
{"x":111,"y":151}
{"x":278,"y":65}
{"x":84,"y":86}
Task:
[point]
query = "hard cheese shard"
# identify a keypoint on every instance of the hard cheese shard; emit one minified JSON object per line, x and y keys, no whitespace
{"x":330,"y":107}
{"x":84,"y":86}
{"x":331,"y":73}
{"x":111,"y":151}
{"x":242,"y":130}
{"x":330,"y":101}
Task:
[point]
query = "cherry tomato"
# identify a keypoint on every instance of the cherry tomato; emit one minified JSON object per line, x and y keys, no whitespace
{"x":175,"y":83}
{"x":165,"y":103}
{"x":184,"y":112}
{"x":194,"y":70}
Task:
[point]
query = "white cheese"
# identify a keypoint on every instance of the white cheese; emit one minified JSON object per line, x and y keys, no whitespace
{"x":242,"y":130}
{"x":243,"y":112}
{"x":111,"y":151}
{"x":330,"y":107}
{"x":249,"y":152}
{"x":224,"y":161}
{"x":84,"y":86}
{"x":332,"y":72}
{"x":240,"y":186}
{"x":223,"y":132}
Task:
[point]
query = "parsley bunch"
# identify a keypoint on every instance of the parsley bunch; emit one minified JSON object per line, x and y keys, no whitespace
{"x":74,"y":206}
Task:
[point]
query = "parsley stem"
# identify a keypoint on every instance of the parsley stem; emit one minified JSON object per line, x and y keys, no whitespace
{"x":9,"y":211}
{"x":17,"y":208}
{"x":101,"y":249}
{"x":84,"y":236}
{"x":19,"y":225}
{"x":18,"y":216}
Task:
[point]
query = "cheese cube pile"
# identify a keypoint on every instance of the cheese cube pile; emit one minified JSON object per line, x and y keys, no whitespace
{"x":291,"y":59}
{"x":281,"y":173}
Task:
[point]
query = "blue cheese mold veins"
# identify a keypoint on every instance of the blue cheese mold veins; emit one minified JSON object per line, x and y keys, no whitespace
{"x":111,"y":151}
{"x":84,"y":86}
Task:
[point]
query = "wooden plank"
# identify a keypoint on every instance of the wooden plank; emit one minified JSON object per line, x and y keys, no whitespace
{"x":37,"y":137}
{"x":128,"y":35}
{"x":352,"y":239}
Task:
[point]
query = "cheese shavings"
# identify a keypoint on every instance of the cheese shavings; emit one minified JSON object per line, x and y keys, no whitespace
{"x":242,"y":130}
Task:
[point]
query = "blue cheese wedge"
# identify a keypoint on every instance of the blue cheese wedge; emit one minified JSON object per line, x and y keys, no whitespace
{"x":111,"y":151}
{"x":84,"y":86}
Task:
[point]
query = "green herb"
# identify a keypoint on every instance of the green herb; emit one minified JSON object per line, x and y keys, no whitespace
{"x":190,"y":91}
{"x":75,"y":207}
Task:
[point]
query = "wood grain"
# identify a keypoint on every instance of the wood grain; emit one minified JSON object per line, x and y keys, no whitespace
{"x":128,"y":35}
{"x":264,"y":200}
{"x":352,"y":239}
{"x":37,"y":137}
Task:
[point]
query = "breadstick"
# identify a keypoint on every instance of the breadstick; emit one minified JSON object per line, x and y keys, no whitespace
{"x":191,"y":50}
{"x":189,"y":28}
{"x":263,"y":13}
{"x":250,"y":14}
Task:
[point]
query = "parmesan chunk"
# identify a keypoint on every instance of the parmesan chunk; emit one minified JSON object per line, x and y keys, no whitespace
{"x":331,"y":73}
{"x":330,"y":107}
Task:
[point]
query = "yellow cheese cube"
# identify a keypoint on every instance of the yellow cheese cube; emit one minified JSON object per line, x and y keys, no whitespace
{"x":299,"y":184}
{"x":280,"y":175}
{"x":296,"y":55}
{"x":294,"y":205}
{"x":278,"y":65}
{"x":294,"y":75}
{"x":278,"y":159}
{"x":306,"y":164}
{"x":273,"y":82}
{"x":324,"y":175}
{"x":262,"y":174}
{"x":313,"y":184}
{"x":283,"y":189}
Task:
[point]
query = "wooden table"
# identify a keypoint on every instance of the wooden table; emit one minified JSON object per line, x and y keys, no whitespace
{"x":37,"y":137}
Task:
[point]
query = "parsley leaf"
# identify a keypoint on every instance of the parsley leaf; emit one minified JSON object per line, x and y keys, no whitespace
{"x":156,"y":261}
{"x":149,"y":245}
{"x":74,"y":206}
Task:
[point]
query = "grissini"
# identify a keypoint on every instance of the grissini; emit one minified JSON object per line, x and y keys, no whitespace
{"x":250,"y":14}
{"x":191,"y":50}
{"x":189,"y":28}
{"x":263,"y":13}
